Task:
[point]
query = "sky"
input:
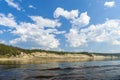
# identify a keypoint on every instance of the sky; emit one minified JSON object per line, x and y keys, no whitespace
{"x":62,"y":25}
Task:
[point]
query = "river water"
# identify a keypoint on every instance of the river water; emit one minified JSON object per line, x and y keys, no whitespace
{"x":86,"y":70}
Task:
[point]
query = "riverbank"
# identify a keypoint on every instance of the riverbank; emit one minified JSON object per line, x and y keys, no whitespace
{"x":15,"y":53}
{"x":44,"y":57}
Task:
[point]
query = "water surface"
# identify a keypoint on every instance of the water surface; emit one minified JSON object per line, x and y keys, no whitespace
{"x":87,"y":70}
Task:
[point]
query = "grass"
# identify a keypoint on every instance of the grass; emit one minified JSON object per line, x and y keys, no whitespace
{"x":8,"y":51}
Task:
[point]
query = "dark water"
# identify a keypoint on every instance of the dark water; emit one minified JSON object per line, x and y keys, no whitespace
{"x":89,"y":70}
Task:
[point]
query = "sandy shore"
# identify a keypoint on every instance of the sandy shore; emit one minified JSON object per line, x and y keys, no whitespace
{"x":41,"y":55}
{"x":45,"y":57}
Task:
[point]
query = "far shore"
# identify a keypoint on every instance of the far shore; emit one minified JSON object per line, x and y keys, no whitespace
{"x":11,"y":53}
{"x":42,"y":57}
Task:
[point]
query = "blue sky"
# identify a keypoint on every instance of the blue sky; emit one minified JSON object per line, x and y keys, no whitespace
{"x":66,"y":25}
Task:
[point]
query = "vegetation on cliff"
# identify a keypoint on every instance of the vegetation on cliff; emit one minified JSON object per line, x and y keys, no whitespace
{"x":8,"y":51}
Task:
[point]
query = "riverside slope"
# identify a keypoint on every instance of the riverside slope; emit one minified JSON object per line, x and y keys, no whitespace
{"x":15,"y":53}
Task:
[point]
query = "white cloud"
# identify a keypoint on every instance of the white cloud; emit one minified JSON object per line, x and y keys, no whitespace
{"x":1,"y":32}
{"x":13,"y":4}
{"x":42,"y":32}
{"x":67,"y":14}
{"x":81,"y":21}
{"x":2,"y":41}
{"x":43,"y":22}
{"x":32,"y":7}
{"x":36,"y":34}
{"x":78,"y":21}
{"x":109,"y":4}
{"x":7,"y":20}
{"x":75,"y":38}
{"x":108,"y":32}
{"x":116,"y":42}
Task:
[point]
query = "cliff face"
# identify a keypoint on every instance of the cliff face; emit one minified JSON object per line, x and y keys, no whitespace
{"x":7,"y":51}
{"x":15,"y":52}
{"x":73,"y":55}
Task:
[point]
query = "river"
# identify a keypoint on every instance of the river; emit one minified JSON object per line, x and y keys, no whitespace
{"x":85,"y":70}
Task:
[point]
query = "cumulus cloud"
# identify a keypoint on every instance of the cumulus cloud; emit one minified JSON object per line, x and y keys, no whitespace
{"x":78,"y":21}
{"x":81,"y":21}
{"x":75,"y":38}
{"x":109,"y":4}
{"x":13,"y":4}
{"x":75,"y":18}
{"x":7,"y":20}
{"x":67,"y":14}
{"x":36,"y":33}
{"x":108,"y":32}
{"x":32,"y":7}
{"x":43,"y":22}
{"x":42,"y":32}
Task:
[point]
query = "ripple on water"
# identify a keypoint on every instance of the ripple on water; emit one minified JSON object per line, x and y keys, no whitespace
{"x":95,"y":70}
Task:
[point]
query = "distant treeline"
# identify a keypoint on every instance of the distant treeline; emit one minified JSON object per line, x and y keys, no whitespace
{"x":8,"y":51}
